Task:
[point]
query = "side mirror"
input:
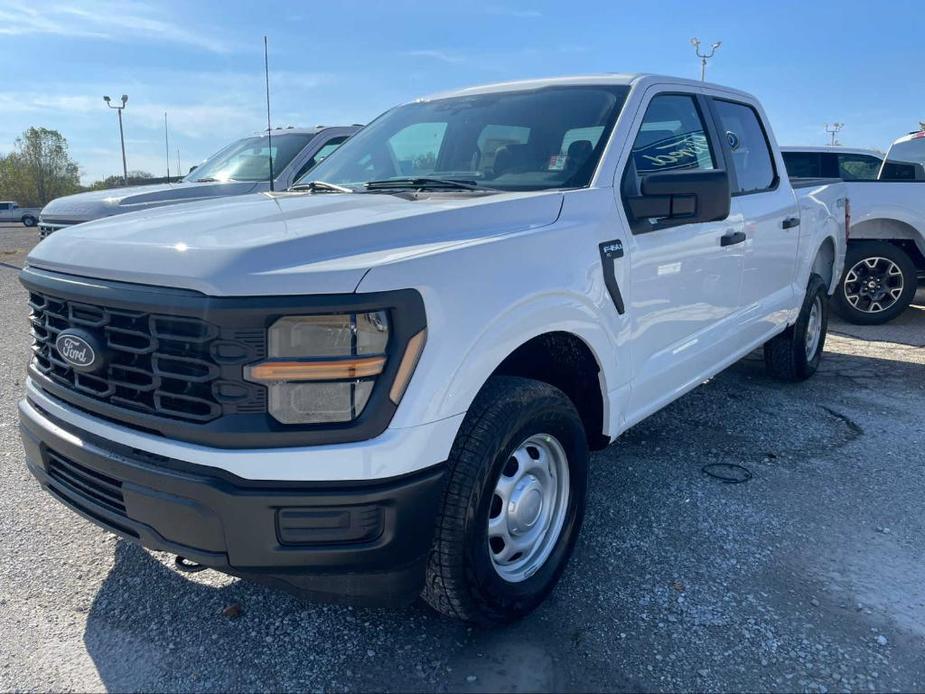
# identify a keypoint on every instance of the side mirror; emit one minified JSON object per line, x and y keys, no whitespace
{"x":682,"y":197}
{"x":192,"y":168}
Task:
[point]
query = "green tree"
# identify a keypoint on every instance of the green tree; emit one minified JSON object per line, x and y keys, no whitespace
{"x":134,"y":178}
{"x":39,"y":169}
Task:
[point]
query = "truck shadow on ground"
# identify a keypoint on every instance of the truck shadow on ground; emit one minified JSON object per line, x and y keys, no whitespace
{"x":711,"y":603}
{"x":152,"y":628}
{"x":907,"y":329}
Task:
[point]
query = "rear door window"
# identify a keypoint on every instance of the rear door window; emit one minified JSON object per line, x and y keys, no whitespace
{"x":751,"y":154}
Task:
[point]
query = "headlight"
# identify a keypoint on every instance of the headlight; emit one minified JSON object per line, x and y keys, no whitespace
{"x":322,"y":369}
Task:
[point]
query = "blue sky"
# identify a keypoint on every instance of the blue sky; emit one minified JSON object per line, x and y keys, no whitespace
{"x":332,"y":63}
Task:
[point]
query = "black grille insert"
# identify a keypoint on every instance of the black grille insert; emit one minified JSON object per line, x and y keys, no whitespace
{"x":161,"y":365}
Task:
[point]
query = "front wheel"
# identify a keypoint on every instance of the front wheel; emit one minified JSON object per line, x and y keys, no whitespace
{"x":513,"y":505}
{"x":29,"y":221}
{"x":794,"y":355}
{"x":879,"y":283}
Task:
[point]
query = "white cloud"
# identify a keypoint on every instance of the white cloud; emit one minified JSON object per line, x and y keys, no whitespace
{"x":442,"y":56}
{"x":102,"y":20}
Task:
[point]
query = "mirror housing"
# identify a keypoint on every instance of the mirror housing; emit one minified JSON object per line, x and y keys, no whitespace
{"x":682,"y":197}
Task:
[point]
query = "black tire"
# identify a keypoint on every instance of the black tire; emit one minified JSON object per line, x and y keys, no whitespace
{"x":29,"y":220}
{"x":785,"y":356}
{"x":858,"y":252}
{"x":461,"y":580}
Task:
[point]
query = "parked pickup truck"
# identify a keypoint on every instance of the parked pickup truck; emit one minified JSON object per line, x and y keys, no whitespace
{"x":886,"y":245}
{"x":240,"y":168}
{"x":386,"y":381}
{"x":10,"y":211}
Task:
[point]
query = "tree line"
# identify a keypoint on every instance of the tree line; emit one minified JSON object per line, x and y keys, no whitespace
{"x":40,"y":169}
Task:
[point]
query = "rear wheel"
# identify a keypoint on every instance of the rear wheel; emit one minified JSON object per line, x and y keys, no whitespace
{"x":513,"y":505}
{"x":879,"y":283}
{"x":29,"y":220}
{"x":794,"y":355}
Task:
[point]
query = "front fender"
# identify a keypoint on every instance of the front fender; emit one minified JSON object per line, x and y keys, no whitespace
{"x":516,"y":326}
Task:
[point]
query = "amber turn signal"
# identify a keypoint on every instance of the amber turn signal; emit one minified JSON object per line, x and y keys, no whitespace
{"x":328,"y":370}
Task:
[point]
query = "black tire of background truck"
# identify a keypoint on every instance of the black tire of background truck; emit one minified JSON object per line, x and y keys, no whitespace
{"x":461,"y":580}
{"x":857,"y":251}
{"x":785,"y":355}
{"x":29,"y":220}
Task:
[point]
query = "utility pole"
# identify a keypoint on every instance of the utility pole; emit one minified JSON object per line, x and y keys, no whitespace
{"x":704,"y":57}
{"x":166,"y":147}
{"x":833,"y":131}
{"x":121,"y":134}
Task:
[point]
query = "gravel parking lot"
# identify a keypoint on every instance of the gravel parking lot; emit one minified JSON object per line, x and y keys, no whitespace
{"x":810,"y":576}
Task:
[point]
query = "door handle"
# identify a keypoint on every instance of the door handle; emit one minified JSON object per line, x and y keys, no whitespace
{"x":790,"y":222}
{"x":731,"y":238}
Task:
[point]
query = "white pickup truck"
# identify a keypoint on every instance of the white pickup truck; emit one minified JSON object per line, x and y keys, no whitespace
{"x":10,"y":211}
{"x":886,"y":245}
{"x":238,"y":169}
{"x":386,"y":382}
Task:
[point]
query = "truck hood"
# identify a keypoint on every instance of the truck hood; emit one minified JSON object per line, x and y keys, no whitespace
{"x":288,"y":243}
{"x":84,"y":207}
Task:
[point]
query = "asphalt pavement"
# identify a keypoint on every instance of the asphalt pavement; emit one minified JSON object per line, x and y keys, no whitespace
{"x":808,"y":577}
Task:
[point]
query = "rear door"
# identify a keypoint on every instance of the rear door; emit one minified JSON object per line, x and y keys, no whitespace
{"x":684,"y":281}
{"x":763,"y":199}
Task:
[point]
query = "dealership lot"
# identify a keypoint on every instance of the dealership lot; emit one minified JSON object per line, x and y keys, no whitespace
{"x":807,"y":577}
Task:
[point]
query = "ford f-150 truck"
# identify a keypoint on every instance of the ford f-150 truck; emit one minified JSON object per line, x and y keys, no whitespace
{"x":386,"y":381}
{"x":240,"y":168}
{"x":10,"y":211}
{"x":886,"y":243}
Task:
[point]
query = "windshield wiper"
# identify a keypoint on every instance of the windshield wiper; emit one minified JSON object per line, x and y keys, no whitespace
{"x":321,"y":187}
{"x":422,"y":183}
{"x":208,"y":179}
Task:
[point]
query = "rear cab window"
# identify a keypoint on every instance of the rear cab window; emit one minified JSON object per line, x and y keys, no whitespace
{"x":803,"y":164}
{"x":752,"y":161}
{"x":858,"y":167}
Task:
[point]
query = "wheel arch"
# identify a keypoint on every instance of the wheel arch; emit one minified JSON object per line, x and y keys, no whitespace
{"x":532,"y":341}
{"x":824,"y":264}
{"x":888,"y":229}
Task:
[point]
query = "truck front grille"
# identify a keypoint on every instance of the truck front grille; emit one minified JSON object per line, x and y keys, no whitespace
{"x":167,"y":366}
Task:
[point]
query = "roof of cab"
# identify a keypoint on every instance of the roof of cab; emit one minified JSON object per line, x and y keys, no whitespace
{"x":625,"y":79}
{"x":290,"y":130}
{"x":834,"y":149}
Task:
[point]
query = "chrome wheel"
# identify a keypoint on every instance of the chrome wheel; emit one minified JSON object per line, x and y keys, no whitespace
{"x":528,"y":508}
{"x":814,"y":328}
{"x":873,"y":284}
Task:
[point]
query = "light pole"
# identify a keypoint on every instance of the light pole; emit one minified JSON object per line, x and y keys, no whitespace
{"x":833,"y":131}
{"x":704,"y":57}
{"x":121,"y":135}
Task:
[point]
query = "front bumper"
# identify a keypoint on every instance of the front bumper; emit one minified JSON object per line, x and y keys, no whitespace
{"x":364,"y":542}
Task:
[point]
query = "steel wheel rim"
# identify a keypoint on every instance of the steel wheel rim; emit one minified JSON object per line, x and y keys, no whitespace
{"x":814,"y":328}
{"x":873,"y":285}
{"x":528,"y":508}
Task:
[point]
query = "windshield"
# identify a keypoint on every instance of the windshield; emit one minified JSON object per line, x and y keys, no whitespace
{"x":905,"y":160}
{"x":524,"y":140}
{"x":249,"y":159}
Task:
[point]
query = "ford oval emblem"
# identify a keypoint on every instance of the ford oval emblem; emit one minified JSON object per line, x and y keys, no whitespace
{"x":77,"y":350}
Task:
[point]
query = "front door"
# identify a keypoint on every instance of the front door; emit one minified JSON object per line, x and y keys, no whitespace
{"x":684,"y":279}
